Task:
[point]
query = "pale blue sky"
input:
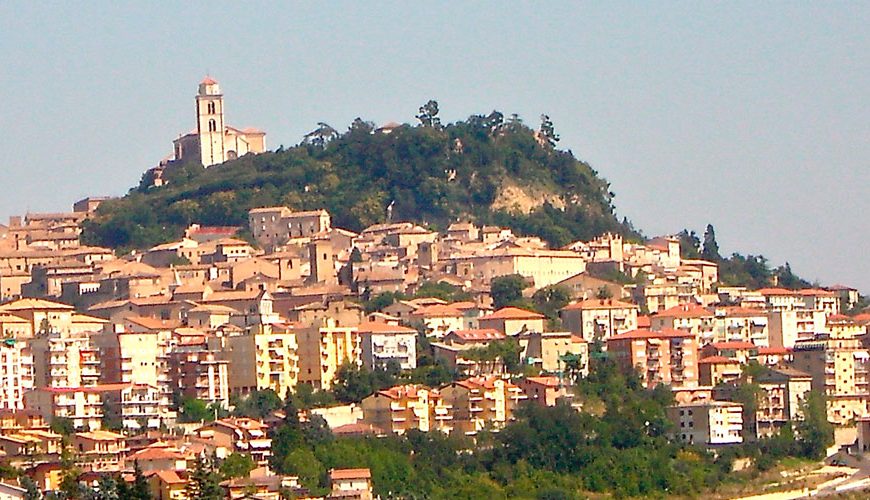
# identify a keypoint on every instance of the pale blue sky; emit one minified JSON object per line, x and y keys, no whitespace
{"x":753,"y":116}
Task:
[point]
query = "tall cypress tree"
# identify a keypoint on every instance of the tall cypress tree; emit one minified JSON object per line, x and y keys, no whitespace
{"x":711,"y":247}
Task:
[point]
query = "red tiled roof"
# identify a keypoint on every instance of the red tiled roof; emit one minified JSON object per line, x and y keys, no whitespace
{"x":547,"y":381}
{"x":599,"y":304}
{"x":649,"y":334}
{"x":773,"y":350}
{"x":479,"y":334}
{"x":437,"y":310}
{"x":718,"y":360}
{"x":685,"y":311}
{"x":737,"y":344}
{"x":380,"y":327}
{"x":776,"y":291}
{"x":742,"y":312}
{"x":513,"y":313}
{"x":335,"y":474}
{"x":643,"y":322}
{"x":208,"y":81}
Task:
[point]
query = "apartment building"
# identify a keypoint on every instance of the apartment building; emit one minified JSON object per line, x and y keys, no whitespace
{"x":783,"y":391}
{"x":323,"y":349}
{"x":480,"y":403}
{"x":691,"y":318}
{"x":839,"y":369}
{"x":513,"y":320}
{"x":405,"y":407}
{"x":383,"y":343}
{"x":599,"y":318}
{"x":263,"y":357}
{"x":788,"y":326}
{"x":708,"y":423}
{"x":743,"y":324}
{"x":276,"y":225}
{"x":16,"y":373}
{"x":659,"y":357}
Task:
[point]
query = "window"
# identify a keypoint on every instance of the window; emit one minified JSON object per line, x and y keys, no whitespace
{"x":211,"y":108}
{"x":212,"y":126}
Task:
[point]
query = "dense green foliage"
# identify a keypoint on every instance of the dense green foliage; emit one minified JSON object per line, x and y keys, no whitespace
{"x":753,"y":271}
{"x":432,"y":174}
{"x":546,"y":453}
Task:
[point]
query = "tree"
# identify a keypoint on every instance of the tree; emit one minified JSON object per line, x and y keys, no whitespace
{"x":814,"y":431}
{"x":62,"y":426}
{"x":258,"y":404}
{"x":603,"y":293}
{"x":547,"y":131}
{"x":428,"y":115}
{"x":31,"y":490}
{"x":195,"y":410}
{"x":303,"y":463}
{"x":321,"y":136}
{"x":690,"y":245}
{"x":204,"y":482}
{"x":507,"y":290}
{"x":711,"y":247}
{"x":550,"y":299}
{"x":237,"y":465}
{"x":140,"y":489}
{"x":352,"y":383}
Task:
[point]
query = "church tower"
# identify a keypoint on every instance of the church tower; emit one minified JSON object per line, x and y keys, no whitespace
{"x":210,"y":123}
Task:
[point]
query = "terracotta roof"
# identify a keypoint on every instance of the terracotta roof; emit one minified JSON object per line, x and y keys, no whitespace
{"x":547,"y":381}
{"x":737,"y":344}
{"x":513,"y":313}
{"x":169,"y":477}
{"x":685,"y":311}
{"x":776,"y":291}
{"x":337,"y":474}
{"x":479,"y":334}
{"x":379,"y":327}
{"x":815,"y":292}
{"x":154,"y":323}
{"x":718,"y":360}
{"x":208,"y":81}
{"x":643,"y":321}
{"x":599,"y":304}
{"x":649,"y":334}
{"x":437,"y":310}
{"x":28,"y":304}
{"x":743,"y":312}
{"x":773,"y":350}
{"x":156,"y":453}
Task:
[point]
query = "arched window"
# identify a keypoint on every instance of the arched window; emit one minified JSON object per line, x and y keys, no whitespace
{"x":211,"y":107}
{"x":212,"y":126}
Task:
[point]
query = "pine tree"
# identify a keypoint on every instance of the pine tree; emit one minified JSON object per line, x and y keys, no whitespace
{"x":547,"y":131}
{"x":711,"y":247}
{"x":140,"y":489}
{"x":204,"y":482}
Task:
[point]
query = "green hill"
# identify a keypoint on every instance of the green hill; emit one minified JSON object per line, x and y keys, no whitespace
{"x":486,"y":168}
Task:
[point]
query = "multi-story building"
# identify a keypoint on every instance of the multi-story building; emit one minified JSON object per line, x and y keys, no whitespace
{"x":16,"y":373}
{"x":599,"y":318}
{"x":382,"y":343}
{"x":513,"y":320}
{"x":199,"y":373}
{"x":821,"y":300}
{"x":781,"y":299}
{"x":481,"y":403}
{"x":438,"y":319}
{"x":839,"y":369}
{"x":742,"y":324}
{"x":788,"y":326}
{"x":708,"y":423}
{"x":783,"y":390}
{"x":239,"y":435}
{"x":405,"y":407}
{"x":276,"y":225}
{"x":659,"y":357}
{"x":544,"y":391}
{"x":690,"y":318}
{"x":323,"y":349}
{"x":555,"y":352}
{"x":263,"y":357}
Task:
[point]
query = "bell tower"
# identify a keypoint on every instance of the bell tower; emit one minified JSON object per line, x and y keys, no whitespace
{"x":210,"y":122}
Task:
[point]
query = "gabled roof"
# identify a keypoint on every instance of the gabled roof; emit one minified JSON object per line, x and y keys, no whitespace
{"x":735,"y":344}
{"x":772,"y":291}
{"x":379,"y":327}
{"x":599,"y":304}
{"x":478,"y":334}
{"x":513,"y":313}
{"x":547,"y":381}
{"x":649,"y":334}
{"x":685,"y":311}
{"x":437,"y":310}
{"x":344,"y":474}
{"x":718,"y":360}
{"x":29,"y":304}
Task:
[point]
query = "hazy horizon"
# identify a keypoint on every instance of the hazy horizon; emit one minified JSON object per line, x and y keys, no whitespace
{"x":752,"y":117}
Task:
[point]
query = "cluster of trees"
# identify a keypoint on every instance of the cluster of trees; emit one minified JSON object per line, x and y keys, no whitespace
{"x":753,"y":271}
{"x":431,"y":173}
{"x":618,"y":445}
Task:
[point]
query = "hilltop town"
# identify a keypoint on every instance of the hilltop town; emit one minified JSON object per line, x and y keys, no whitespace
{"x":224,"y":363}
